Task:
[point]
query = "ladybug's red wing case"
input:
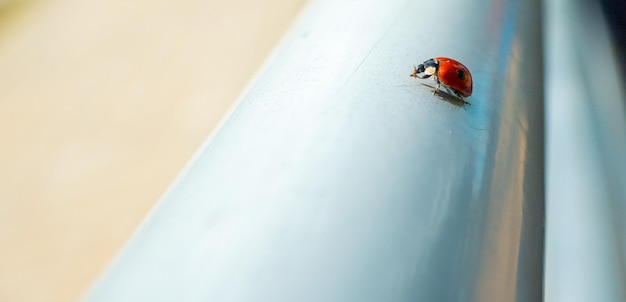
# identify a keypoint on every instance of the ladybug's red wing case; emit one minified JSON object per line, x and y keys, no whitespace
{"x":455,"y":75}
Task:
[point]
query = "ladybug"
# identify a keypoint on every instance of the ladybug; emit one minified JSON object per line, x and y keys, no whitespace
{"x":450,"y":72}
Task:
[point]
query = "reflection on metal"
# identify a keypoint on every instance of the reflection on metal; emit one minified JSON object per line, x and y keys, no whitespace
{"x":338,"y":177}
{"x":586,"y":156}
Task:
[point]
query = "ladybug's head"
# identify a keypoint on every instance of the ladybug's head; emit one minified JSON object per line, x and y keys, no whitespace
{"x":427,"y":68}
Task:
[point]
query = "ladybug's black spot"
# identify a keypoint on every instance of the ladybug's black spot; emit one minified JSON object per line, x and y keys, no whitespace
{"x":460,"y":74}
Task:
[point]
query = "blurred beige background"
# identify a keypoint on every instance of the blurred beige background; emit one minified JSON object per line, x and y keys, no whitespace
{"x":102,"y":102}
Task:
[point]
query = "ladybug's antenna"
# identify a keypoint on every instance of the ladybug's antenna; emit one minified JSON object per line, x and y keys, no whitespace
{"x":419,"y":69}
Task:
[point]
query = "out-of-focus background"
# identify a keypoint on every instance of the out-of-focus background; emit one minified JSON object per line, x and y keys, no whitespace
{"x":101,"y":105}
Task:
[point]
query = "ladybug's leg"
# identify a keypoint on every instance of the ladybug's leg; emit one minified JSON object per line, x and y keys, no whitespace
{"x":436,"y":86}
{"x":458,"y":94}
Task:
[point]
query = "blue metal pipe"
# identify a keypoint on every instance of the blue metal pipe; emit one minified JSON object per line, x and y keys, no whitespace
{"x":337,"y":177}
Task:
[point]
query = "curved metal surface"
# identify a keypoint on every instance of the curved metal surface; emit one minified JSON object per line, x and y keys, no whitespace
{"x":338,"y":177}
{"x":586,"y":157}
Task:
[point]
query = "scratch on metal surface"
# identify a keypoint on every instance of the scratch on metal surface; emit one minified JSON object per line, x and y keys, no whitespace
{"x":385,"y":34}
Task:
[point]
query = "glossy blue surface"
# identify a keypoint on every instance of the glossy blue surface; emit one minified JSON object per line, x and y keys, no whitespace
{"x":338,"y":177}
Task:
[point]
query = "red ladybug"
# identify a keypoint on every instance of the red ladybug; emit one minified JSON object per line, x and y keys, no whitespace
{"x":450,"y":72}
